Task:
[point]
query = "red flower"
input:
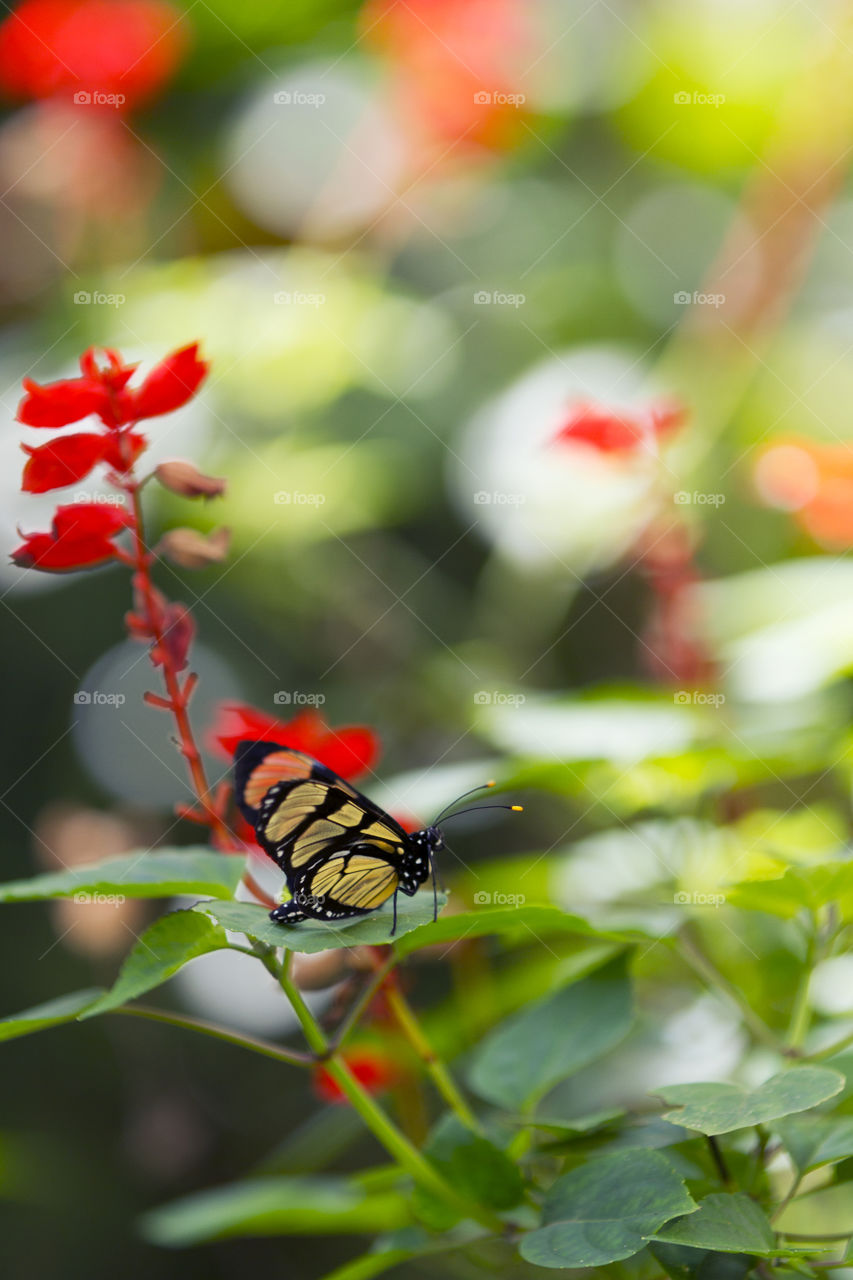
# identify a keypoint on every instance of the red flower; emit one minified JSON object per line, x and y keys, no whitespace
{"x":349,"y":751}
{"x":68,"y":459}
{"x":109,"y":53}
{"x":373,"y":1070}
{"x":618,"y":430}
{"x":457,"y":66}
{"x":81,"y":536}
{"x":103,"y":390}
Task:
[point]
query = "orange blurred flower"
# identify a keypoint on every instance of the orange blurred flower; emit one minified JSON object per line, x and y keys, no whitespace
{"x":814,"y":482}
{"x":456,"y":65}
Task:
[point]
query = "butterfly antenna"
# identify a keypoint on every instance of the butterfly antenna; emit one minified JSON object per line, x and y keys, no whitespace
{"x":478,"y":808}
{"x":484,"y":786}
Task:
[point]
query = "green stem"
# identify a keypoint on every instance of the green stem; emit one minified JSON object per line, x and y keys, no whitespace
{"x":787,"y":1198}
{"x":436,"y":1070}
{"x":348,"y":1025}
{"x":801,"y":1013}
{"x":712,"y":976}
{"x":266,"y":1047}
{"x":720,"y":1163}
{"x":831,"y":1050}
{"x":394,"y":1142}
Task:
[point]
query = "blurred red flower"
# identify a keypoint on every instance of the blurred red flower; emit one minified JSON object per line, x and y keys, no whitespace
{"x":81,"y":537}
{"x":349,"y":751}
{"x":103,"y":390}
{"x":108,"y":53}
{"x":67,"y":459}
{"x":457,"y":64}
{"x":814,"y":482}
{"x":372,"y":1068}
{"x":619,"y":430}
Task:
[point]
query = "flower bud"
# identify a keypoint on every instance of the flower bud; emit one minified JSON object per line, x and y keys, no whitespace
{"x":193,"y":550}
{"x":186,"y":479}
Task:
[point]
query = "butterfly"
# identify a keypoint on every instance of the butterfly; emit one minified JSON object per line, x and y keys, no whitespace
{"x":341,"y":854}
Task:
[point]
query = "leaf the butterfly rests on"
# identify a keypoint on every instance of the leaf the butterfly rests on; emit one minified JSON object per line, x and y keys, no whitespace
{"x":341,"y":854}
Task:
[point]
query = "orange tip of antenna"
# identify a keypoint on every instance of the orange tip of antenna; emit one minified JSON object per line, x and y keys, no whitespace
{"x":490,"y":783}
{"x":517,"y":808}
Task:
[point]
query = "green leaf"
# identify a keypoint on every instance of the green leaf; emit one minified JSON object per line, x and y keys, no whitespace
{"x":606,"y":1210}
{"x":574,"y":1127}
{"x":682,"y":1263}
{"x":799,"y":888}
{"x":164,"y":948}
{"x":472,"y":1164}
{"x":312,"y":936}
{"x":531,"y":922}
{"x":274,"y":1207}
{"x":720,"y":1108}
{"x":815,"y":1140}
{"x":548,"y":1041}
{"x":51,"y":1014}
{"x":728,"y":1223}
{"x":135,"y":875}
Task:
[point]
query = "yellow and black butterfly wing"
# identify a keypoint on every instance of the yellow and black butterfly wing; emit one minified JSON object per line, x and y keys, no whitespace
{"x":348,"y":883}
{"x":341,"y":854}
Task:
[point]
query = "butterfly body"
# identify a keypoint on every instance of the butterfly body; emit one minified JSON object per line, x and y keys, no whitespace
{"x":341,"y":854}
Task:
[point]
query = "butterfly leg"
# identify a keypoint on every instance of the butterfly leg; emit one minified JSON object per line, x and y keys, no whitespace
{"x":288,"y":913}
{"x":394,"y":925}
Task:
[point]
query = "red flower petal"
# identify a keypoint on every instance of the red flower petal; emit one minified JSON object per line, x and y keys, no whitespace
{"x":89,"y":519}
{"x":350,"y":751}
{"x":122,"y":449}
{"x":79,"y":539}
{"x":169,"y":385}
{"x":122,"y":50}
{"x":373,"y":1069}
{"x":618,"y":430}
{"x":59,"y":403}
{"x":62,"y":461}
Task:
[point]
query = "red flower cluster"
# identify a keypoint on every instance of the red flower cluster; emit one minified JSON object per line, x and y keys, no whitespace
{"x":82,"y":532}
{"x":349,"y":751}
{"x":372,"y":1068}
{"x":618,"y":430}
{"x":81,"y":537}
{"x":113,"y":53}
